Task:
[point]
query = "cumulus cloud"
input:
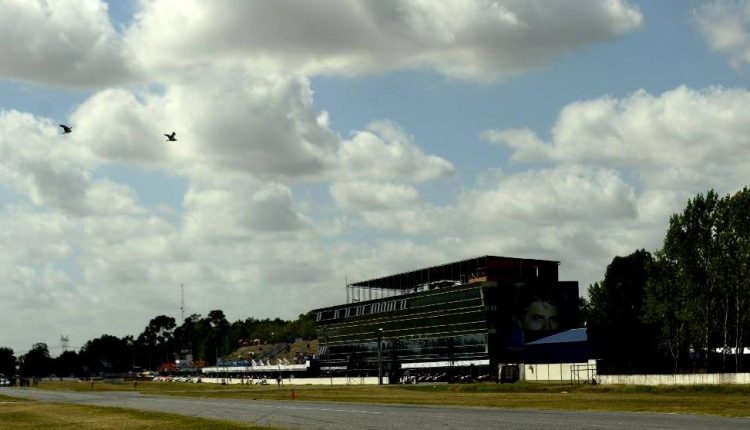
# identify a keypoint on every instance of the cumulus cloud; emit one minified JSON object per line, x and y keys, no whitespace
{"x":617,"y":169}
{"x":244,"y":143}
{"x":725,"y":25}
{"x":463,"y":39}
{"x":117,"y":126}
{"x":31,"y":239}
{"x":76,"y":45}
{"x":224,"y":120}
{"x":371,"y":196}
{"x":681,"y":139}
{"x":232,"y":79}
{"x":384,"y":150}
{"x":61,"y":43}
{"x":242,"y":209}
{"x":232,"y":123}
{"x":52,"y":171}
{"x":554,"y":196}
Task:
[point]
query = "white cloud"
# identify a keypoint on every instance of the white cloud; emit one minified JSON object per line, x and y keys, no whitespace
{"x":51,"y":170}
{"x":229,"y":123}
{"x":725,"y":24}
{"x":555,"y":196}
{"x":223,"y":121}
{"x":60,"y":42}
{"x":116,"y":126}
{"x":31,"y":239}
{"x":683,"y":139}
{"x":476,"y":40}
{"x":372,"y":196}
{"x":618,"y":169}
{"x":244,"y":142}
{"x":384,"y":150}
{"x":611,"y":173}
{"x":241,"y":210}
{"x":75,"y":44}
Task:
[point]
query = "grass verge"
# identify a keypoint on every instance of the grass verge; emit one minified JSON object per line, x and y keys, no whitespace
{"x":17,"y":414}
{"x":724,"y":400}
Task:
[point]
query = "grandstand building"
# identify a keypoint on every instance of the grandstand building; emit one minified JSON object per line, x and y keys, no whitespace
{"x":447,"y":322}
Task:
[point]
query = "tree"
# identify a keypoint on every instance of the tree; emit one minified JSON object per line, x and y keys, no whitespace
{"x":617,"y":330}
{"x":735,"y":241}
{"x":156,"y":338}
{"x":187,"y":336}
{"x":37,"y":361}
{"x":740,"y":224}
{"x":667,"y":308}
{"x":704,"y":267}
{"x":7,"y":362}
{"x":67,"y":364}
{"x":690,"y":247}
{"x":220,"y":327}
{"x":106,"y":354}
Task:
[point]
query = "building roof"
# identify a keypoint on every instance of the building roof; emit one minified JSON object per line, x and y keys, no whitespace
{"x":568,"y":336}
{"x":463,"y":271}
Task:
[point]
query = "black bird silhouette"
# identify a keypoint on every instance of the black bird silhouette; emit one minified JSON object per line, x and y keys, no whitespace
{"x":66,"y":129}
{"x":170,"y":137}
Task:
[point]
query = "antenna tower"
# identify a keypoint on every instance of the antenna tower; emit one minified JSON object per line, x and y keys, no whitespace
{"x":182,"y":302}
{"x":64,"y":342}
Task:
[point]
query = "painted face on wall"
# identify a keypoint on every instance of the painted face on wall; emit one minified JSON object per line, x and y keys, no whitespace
{"x":541,"y":315}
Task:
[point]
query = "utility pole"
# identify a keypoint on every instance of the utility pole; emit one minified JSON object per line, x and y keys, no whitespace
{"x":380,"y":361}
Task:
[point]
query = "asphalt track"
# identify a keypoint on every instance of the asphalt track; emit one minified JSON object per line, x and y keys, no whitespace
{"x":349,"y":416}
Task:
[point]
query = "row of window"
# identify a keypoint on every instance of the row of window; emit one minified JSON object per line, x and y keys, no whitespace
{"x":416,"y":326}
{"x":441,"y":297}
{"x":355,"y":311}
{"x":449,"y":347}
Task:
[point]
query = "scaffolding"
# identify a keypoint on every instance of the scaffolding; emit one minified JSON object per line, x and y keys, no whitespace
{"x":479,"y":269}
{"x":583,"y":373}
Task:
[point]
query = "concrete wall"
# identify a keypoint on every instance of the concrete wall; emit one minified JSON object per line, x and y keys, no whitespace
{"x":371,"y":380}
{"x":680,"y":379}
{"x":559,"y":372}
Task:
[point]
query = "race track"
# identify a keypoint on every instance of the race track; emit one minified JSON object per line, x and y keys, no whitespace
{"x":349,"y":416}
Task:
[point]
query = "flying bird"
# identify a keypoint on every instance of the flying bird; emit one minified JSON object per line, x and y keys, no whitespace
{"x":66,"y":129}
{"x":170,"y":137}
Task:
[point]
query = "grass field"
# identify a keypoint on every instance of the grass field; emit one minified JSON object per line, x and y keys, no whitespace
{"x":16,"y":414}
{"x":725,"y":400}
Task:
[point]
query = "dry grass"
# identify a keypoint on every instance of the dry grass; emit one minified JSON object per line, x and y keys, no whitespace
{"x":26,"y":414}
{"x":726,"y":400}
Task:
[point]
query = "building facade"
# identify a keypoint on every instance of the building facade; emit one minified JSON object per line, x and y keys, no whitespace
{"x":458,"y":320}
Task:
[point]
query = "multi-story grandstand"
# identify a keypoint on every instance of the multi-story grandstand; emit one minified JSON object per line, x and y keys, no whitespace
{"x":457,"y":320}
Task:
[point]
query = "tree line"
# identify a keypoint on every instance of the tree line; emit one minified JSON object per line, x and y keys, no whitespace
{"x":683,"y":308}
{"x":162,"y":340}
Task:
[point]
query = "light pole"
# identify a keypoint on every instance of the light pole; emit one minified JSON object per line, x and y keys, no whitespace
{"x":380,"y":361}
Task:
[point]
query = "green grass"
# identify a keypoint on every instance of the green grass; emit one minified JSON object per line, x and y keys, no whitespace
{"x":28,"y":414}
{"x":725,"y":400}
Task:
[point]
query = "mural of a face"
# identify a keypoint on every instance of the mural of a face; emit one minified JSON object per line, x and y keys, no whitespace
{"x":541,"y":315}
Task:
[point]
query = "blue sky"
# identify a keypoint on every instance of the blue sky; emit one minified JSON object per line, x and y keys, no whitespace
{"x":327,"y":141}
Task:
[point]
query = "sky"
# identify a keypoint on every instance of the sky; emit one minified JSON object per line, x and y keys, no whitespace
{"x":320,"y":142}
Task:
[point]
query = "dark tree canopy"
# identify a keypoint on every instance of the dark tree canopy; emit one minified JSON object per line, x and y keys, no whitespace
{"x":162,"y":340}
{"x":106,"y":354}
{"x":37,"y":361}
{"x":617,"y":331}
{"x":7,"y":362}
{"x":688,"y":304}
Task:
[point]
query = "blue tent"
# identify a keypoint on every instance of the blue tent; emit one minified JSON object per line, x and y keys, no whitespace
{"x":570,"y":346}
